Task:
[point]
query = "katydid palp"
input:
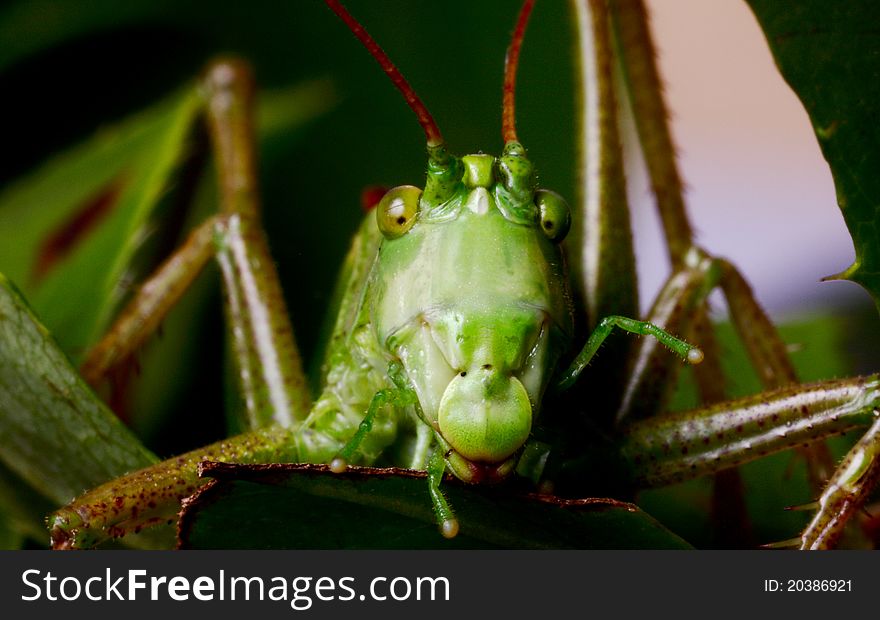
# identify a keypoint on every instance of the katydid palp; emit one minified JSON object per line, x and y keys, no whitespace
{"x":447,"y":359}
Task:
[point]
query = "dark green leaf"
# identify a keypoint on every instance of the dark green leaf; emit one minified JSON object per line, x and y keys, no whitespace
{"x":306,"y":506}
{"x":54,"y":432}
{"x":829,"y":53}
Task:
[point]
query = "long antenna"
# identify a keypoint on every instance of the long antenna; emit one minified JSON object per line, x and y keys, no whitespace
{"x":432,"y":132}
{"x":511,"y":62}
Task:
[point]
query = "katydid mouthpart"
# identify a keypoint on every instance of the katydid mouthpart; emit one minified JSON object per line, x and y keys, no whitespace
{"x":448,"y":369}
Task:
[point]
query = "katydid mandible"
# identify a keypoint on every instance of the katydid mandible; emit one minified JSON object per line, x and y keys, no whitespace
{"x":447,"y":369}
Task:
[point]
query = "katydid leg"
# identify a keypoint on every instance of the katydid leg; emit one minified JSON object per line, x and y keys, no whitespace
{"x":389,"y":397}
{"x":732,"y":528}
{"x":152,"y":496}
{"x":652,"y":370}
{"x":603,"y":268}
{"x":680,"y":446}
{"x":268,"y":362}
{"x":846,"y":492}
{"x":443,"y":513}
{"x":151,"y":303}
{"x":635,"y":49}
{"x":684,"y":350}
{"x":637,"y":54}
{"x":680,"y":307}
{"x":759,"y":336}
{"x":769,"y":357}
{"x":403,"y":396}
{"x":271,"y":380}
{"x":600,"y":244}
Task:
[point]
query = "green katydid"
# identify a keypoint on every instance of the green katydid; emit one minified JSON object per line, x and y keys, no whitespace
{"x":402,"y":347}
{"x":462,"y":357}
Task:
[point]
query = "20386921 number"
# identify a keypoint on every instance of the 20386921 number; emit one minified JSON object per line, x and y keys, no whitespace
{"x":818,"y":585}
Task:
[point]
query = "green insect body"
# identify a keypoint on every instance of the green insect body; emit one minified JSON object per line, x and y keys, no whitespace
{"x":478,"y":343}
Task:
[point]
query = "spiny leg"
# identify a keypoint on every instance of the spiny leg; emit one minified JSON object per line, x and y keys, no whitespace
{"x":642,"y":77}
{"x":685,"y":445}
{"x":269,"y":366}
{"x":679,"y":446}
{"x":686,"y":290}
{"x":769,"y":358}
{"x":652,"y":371}
{"x":636,"y":52}
{"x":152,"y":496}
{"x":604,"y":268}
{"x":846,"y":492}
{"x":679,"y":308}
{"x":729,"y":512}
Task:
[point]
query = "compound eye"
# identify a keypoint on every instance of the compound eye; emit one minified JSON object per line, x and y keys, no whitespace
{"x":398,"y":210}
{"x":555,"y":216}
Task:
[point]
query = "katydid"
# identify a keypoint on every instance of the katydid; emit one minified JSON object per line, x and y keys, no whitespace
{"x":449,"y":369}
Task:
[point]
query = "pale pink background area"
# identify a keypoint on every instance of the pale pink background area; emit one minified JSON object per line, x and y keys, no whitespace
{"x":759,"y":191}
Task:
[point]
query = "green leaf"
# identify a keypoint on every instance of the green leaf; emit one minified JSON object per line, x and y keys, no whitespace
{"x":307,"y":506}
{"x":54,"y":432}
{"x":829,"y":53}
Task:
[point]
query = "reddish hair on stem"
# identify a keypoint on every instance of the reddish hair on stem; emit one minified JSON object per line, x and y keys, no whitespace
{"x":432,"y":132}
{"x":511,"y":62}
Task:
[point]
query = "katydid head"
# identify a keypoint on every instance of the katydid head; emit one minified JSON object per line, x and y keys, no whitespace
{"x":469,"y":290}
{"x":470,"y":294}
